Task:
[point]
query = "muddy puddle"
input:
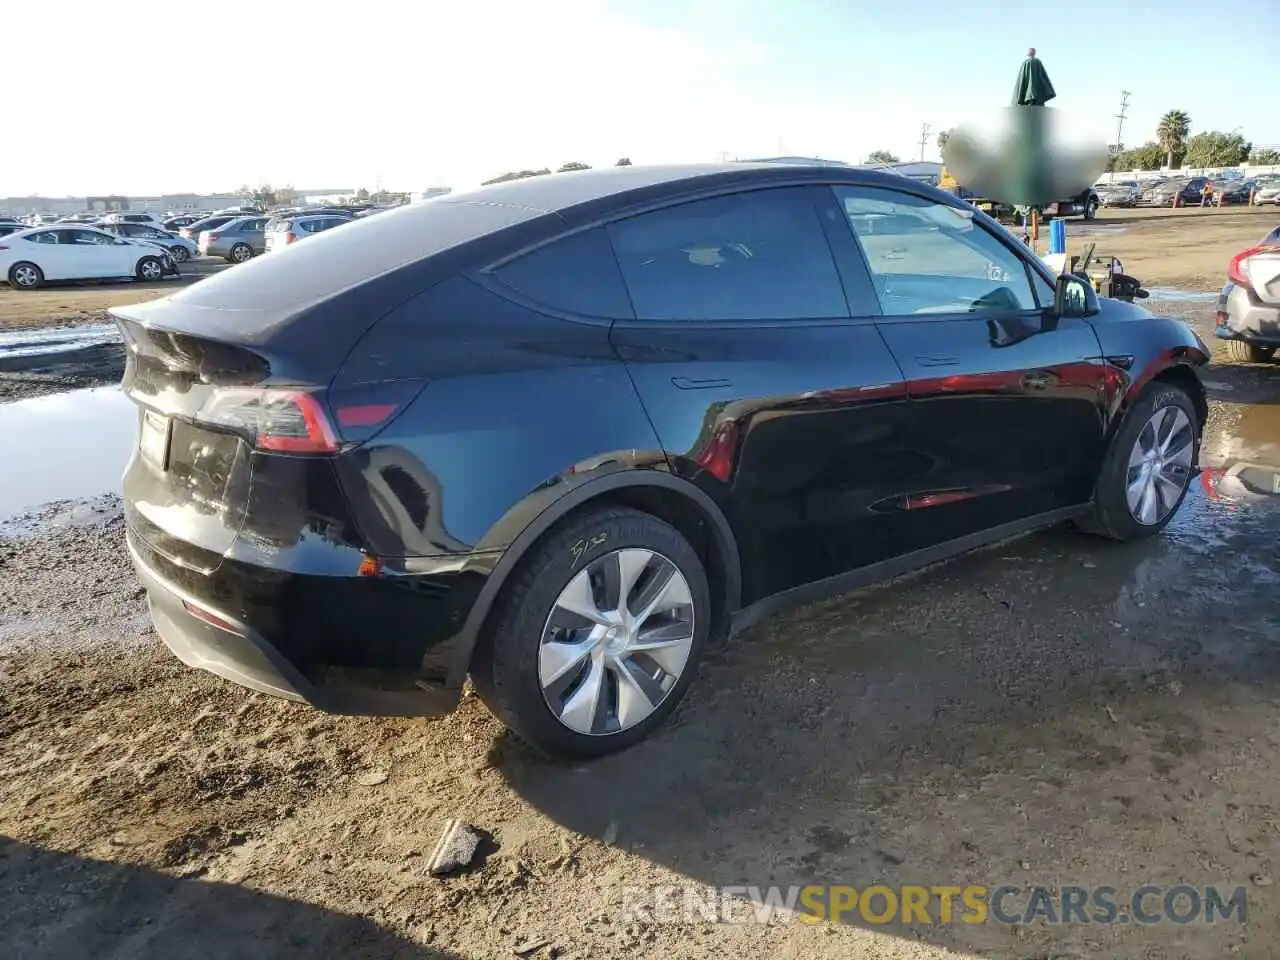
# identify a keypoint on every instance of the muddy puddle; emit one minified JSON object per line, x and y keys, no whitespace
{"x":35,"y":343}
{"x":37,"y":363}
{"x":65,"y":446}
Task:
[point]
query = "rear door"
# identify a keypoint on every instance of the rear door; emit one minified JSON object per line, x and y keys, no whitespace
{"x":763,"y":389}
{"x":254,"y":234}
{"x":55,"y":260}
{"x":1008,"y":402}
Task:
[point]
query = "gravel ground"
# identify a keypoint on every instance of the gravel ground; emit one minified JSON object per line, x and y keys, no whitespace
{"x":1052,"y":710}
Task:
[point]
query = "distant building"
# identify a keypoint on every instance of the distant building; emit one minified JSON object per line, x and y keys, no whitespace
{"x":162,"y":203}
{"x":419,"y":195}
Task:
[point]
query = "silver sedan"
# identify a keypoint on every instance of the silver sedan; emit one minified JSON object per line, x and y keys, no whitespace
{"x":236,"y":240}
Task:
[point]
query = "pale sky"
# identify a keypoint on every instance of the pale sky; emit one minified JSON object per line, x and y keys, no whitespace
{"x":163,"y":96}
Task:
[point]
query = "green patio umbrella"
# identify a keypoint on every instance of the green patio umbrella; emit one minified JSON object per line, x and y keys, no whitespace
{"x":1033,"y":88}
{"x":1030,"y":165}
{"x":1030,"y":170}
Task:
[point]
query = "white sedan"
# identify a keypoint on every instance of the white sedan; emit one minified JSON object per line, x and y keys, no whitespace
{"x":72,"y":252}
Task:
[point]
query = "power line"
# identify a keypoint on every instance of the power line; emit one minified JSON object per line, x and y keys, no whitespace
{"x":924,"y":138}
{"x":1120,"y":118}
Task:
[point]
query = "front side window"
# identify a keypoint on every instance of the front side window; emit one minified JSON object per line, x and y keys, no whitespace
{"x":86,"y":238}
{"x":927,"y":257}
{"x":757,"y":255}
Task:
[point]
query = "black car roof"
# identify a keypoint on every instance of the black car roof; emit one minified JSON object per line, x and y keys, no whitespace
{"x":558,"y":192}
{"x":256,"y":301}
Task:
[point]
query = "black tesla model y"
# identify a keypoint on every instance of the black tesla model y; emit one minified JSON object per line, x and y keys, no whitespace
{"x":560,"y":433}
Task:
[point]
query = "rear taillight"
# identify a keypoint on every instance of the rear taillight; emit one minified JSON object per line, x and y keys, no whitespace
{"x":283,"y":421}
{"x":290,"y":237}
{"x":3,"y":247}
{"x":1238,"y":270}
{"x":213,"y":237}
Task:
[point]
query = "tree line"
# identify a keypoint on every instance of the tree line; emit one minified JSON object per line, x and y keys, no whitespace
{"x":563,"y":168}
{"x":1174,"y":146}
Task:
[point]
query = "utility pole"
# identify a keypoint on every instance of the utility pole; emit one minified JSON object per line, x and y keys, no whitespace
{"x":924,"y":138}
{"x":1124,"y":112}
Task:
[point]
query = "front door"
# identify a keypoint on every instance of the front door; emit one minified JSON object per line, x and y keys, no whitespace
{"x":1008,"y":402}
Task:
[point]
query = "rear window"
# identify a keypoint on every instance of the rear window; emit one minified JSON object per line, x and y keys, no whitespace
{"x":279,"y":224}
{"x":363,"y":249}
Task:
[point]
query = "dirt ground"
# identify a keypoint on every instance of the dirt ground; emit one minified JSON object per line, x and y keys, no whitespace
{"x":1055,"y":710}
{"x":87,"y":301}
{"x":1186,"y":248}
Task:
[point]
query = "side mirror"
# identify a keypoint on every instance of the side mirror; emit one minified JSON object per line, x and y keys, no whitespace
{"x":1074,"y":297}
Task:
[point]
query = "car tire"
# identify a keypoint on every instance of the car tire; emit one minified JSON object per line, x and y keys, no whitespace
{"x":240,"y":253}
{"x":1161,"y":416}
{"x":26,"y":276}
{"x":1242,"y":351}
{"x":180,"y":253}
{"x":1091,"y":209}
{"x":519,"y":681}
{"x":149,"y":270}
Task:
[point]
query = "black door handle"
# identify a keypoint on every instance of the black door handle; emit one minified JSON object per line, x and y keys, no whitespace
{"x":684,"y":383}
{"x":937,"y":361}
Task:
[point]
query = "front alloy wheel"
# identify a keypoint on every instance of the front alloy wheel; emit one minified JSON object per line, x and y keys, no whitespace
{"x":1148,"y":467}
{"x":150,"y":269}
{"x":1159,"y":465}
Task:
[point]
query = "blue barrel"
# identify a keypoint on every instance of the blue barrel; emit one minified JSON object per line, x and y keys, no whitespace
{"x":1058,"y":236}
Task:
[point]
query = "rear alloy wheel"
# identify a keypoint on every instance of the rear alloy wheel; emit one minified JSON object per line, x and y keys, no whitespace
{"x":240,"y":253}
{"x":597,"y":636}
{"x":180,"y":254}
{"x":1242,"y":351}
{"x":26,"y":276}
{"x":150,"y":269}
{"x":1148,"y":468}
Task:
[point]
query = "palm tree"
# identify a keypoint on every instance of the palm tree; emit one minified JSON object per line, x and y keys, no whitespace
{"x":1172,"y":133}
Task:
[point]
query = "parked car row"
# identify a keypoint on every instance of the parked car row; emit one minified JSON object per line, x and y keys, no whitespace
{"x":1190,"y":191}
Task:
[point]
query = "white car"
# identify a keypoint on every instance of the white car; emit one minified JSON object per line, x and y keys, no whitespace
{"x":282,"y":231}
{"x":150,"y":219}
{"x":30,"y":257}
{"x":1267,"y":192}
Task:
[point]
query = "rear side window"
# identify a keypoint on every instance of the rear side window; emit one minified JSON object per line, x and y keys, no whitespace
{"x":576,"y":274}
{"x":760,"y":255}
{"x":45,"y":236}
